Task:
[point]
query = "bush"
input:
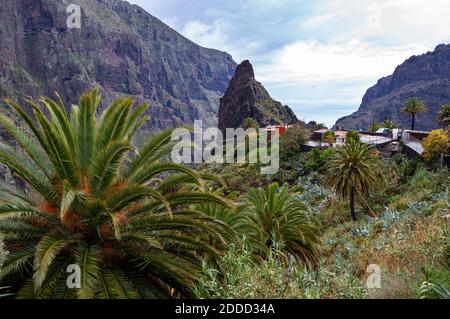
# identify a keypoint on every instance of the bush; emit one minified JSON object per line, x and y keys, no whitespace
{"x":437,"y":143}
{"x":239,"y":276}
{"x":318,"y":158}
{"x":353,"y":135}
{"x":292,"y":141}
{"x":329,"y":137}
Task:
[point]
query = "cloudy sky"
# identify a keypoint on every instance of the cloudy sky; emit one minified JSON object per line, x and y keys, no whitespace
{"x":317,"y":56}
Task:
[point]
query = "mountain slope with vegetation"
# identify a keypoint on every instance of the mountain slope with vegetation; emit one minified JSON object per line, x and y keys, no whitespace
{"x":139,"y":226}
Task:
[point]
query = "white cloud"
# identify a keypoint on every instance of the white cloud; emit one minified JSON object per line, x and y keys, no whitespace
{"x":320,"y":53}
{"x":216,"y":36}
{"x":403,"y":21}
{"x":344,"y":62}
{"x":208,"y":35}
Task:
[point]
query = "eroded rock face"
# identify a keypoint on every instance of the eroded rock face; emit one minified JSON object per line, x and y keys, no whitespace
{"x":245,"y":97}
{"x":426,"y":76}
{"x":120,"y":48}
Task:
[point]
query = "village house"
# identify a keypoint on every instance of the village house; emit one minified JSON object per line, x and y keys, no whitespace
{"x":383,"y":139}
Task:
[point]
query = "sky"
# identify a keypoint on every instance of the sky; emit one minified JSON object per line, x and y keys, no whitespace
{"x":317,"y":56}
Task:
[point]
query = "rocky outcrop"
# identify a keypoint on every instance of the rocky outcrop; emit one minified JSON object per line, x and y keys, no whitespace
{"x":247,"y":98}
{"x":426,"y":77}
{"x":120,"y":48}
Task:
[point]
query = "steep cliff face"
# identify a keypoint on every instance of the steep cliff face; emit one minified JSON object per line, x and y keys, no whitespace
{"x":245,"y":97}
{"x":426,"y":77}
{"x":120,"y":48}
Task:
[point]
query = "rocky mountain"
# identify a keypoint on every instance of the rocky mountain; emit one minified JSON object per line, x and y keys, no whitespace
{"x":426,"y":76}
{"x":246,"y":97}
{"x":119,"y":47}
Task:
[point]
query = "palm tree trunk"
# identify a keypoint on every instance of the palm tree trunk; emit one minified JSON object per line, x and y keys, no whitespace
{"x":413,"y":123}
{"x":352,"y":204}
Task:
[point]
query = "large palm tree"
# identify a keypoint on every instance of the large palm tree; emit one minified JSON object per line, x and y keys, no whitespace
{"x":283,"y":224}
{"x":414,"y":106}
{"x":353,"y":170}
{"x":94,"y":200}
{"x":444,"y":115}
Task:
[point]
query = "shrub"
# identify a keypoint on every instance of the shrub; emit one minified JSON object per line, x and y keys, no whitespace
{"x":329,"y":137}
{"x":353,"y":135}
{"x":239,"y":276}
{"x":317,"y":159}
{"x":292,"y":140}
{"x":437,"y":143}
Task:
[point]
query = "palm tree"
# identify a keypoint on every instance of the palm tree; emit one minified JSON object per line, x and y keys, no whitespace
{"x":390,"y":124}
{"x":351,"y":170}
{"x":283,"y":224}
{"x":249,"y":123}
{"x":414,"y":106}
{"x":96,"y":201}
{"x":444,"y":115}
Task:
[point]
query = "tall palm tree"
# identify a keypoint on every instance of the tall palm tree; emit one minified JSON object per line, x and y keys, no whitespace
{"x":444,"y":115}
{"x":283,"y":224}
{"x":353,"y":170}
{"x":98,"y":202}
{"x":414,"y":106}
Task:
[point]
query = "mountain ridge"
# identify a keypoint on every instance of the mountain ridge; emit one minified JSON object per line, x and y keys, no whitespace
{"x":120,"y":48}
{"x":425,"y":76}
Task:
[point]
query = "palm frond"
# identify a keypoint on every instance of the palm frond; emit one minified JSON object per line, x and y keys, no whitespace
{"x":88,"y":259}
{"x":47,"y":250}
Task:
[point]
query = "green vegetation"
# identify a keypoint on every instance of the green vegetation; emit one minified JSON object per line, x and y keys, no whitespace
{"x":390,"y":124}
{"x":374,"y":126}
{"x":281,"y":222}
{"x":414,"y":106}
{"x":352,"y":171}
{"x":120,"y":217}
{"x":444,"y":115}
{"x":140,"y":226}
{"x":291,"y":141}
{"x":403,"y":228}
{"x":318,"y":158}
{"x":436,"y":145}
{"x":249,"y":123}
{"x":353,"y":136}
{"x":3,"y":254}
{"x":329,"y":137}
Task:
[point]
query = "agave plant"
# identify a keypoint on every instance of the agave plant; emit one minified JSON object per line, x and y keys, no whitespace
{"x":283,"y":224}
{"x":95,"y":201}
